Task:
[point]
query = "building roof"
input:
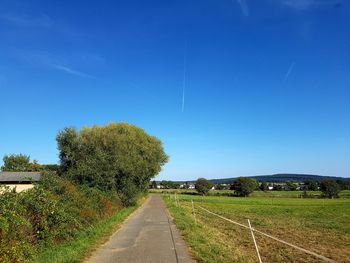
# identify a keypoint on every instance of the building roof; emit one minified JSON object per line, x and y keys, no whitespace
{"x":19,"y":176}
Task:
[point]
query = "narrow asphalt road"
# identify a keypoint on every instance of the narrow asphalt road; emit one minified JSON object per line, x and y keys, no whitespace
{"x":149,"y":235}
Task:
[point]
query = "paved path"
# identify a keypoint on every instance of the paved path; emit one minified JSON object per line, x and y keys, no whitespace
{"x":149,"y":235}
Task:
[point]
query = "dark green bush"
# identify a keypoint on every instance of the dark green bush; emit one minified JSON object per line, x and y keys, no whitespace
{"x":50,"y":213}
{"x":13,"y":228}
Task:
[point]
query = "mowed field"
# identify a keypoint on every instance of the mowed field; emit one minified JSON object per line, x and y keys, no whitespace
{"x":319,"y":225}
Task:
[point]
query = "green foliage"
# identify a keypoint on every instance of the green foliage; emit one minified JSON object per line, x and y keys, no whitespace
{"x":15,"y":163}
{"x":343,"y":184}
{"x":153,"y":185}
{"x":77,"y":249}
{"x":169,"y":184}
{"x":311,"y":185}
{"x":290,"y":186}
{"x":186,"y":185}
{"x":21,"y":163}
{"x":330,"y":188}
{"x":203,"y":186}
{"x":36,"y":167}
{"x":244,"y":186}
{"x":117,"y":156}
{"x":222,"y":187}
{"x":263,"y":186}
{"x":50,"y":213}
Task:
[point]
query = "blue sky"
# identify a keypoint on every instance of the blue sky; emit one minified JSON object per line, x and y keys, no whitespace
{"x":266,"y":83}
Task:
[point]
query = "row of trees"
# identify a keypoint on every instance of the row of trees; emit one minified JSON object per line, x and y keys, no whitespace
{"x":244,"y":186}
{"x":305,"y":186}
{"x":22,"y":163}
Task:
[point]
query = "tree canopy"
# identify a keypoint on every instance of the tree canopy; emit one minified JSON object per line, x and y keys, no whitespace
{"x":170,"y":184}
{"x":16,"y":163}
{"x":116,"y":156}
{"x":264,"y":186}
{"x":290,"y":186}
{"x":244,"y":186}
{"x":22,"y":163}
{"x":203,"y":186}
{"x":330,"y":188}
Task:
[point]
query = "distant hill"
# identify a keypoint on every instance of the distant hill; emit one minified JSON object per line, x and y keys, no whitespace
{"x":279,"y":178}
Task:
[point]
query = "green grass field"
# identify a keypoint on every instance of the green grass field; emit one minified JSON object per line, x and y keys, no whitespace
{"x":319,"y":225}
{"x":289,"y":194}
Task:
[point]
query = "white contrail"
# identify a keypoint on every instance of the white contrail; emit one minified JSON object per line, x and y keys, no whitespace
{"x":244,"y":7}
{"x":70,"y":70}
{"x":184,"y":79}
{"x":289,"y":70}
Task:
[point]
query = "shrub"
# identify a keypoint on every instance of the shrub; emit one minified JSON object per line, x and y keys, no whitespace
{"x":15,"y":229}
{"x":50,"y":213}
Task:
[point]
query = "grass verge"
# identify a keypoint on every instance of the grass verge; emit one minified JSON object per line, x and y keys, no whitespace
{"x":86,"y":241}
{"x":207,"y":244}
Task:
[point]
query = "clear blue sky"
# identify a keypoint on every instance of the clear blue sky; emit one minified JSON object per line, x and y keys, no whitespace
{"x":267,"y":83}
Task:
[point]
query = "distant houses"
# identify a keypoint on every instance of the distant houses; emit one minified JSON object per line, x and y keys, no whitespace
{"x":20,"y":181}
{"x":188,"y":186}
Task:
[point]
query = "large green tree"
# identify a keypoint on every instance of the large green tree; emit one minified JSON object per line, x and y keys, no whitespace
{"x":116,"y":156}
{"x":244,"y":186}
{"x":330,"y":188}
{"x":15,"y":163}
{"x":203,"y":186}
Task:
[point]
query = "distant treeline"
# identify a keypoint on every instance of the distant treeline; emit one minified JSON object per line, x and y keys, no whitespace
{"x":275,"y":178}
{"x":22,"y":163}
{"x":244,"y":186}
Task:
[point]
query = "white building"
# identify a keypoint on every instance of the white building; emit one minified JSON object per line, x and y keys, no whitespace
{"x":20,"y":181}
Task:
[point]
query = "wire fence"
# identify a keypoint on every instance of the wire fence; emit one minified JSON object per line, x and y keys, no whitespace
{"x":253,"y":230}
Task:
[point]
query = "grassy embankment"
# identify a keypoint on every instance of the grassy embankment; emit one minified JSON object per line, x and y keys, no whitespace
{"x":56,"y":221}
{"x":320,"y":225}
{"x":86,"y":241}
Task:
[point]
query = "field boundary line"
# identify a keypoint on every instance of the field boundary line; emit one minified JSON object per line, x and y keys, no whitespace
{"x":272,"y":237}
